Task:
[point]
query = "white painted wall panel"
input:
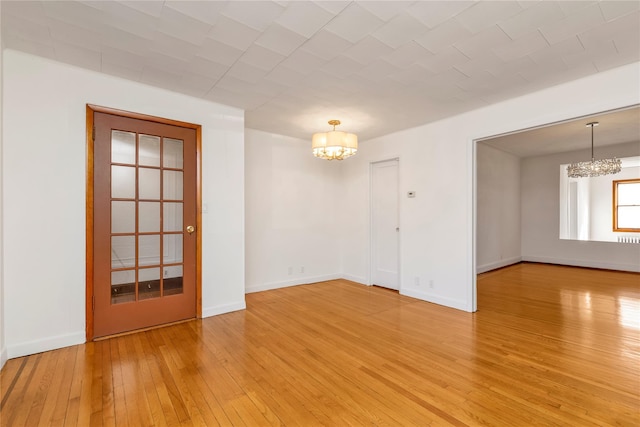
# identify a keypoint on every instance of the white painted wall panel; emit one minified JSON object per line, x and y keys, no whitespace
{"x":44,"y":169}
{"x":498,"y":208}
{"x":292,"y":213}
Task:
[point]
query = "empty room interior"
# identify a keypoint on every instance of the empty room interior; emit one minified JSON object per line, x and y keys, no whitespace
{"x":247,"y":213}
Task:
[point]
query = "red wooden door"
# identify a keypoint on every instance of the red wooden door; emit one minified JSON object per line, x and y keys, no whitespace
{"x":144,"y":224}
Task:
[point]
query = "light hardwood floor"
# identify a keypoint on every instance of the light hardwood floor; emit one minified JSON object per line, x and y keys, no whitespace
{"x":549,"y":346}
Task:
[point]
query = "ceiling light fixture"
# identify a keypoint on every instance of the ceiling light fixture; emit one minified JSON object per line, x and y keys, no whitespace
{"x":334,"y":145}
{"x":594,"y":167}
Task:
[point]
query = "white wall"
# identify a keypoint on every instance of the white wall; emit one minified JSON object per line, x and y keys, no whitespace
{"x":540,"y":183}
{"x":498,"y":208}
{"x":437,"y":161}
{"x":3,"y":349}
{"x":292,"y":209}
{"x":44,"y":168}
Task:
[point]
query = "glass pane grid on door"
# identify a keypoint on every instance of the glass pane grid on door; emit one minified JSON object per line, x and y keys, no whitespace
{"x":146,"y":216}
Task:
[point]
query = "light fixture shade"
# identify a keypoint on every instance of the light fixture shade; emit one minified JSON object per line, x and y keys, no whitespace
{"x":594,"y":168}
{"x":334,"y":145}
{"x":319,"y":140}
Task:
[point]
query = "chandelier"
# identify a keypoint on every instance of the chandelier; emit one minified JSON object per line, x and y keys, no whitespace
{"x":594,"y":167}
{"x":334,"y":145}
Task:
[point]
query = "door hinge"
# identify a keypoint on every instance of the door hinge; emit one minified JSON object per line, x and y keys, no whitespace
{"x":93,"y":134}
{"x":93,"y":303}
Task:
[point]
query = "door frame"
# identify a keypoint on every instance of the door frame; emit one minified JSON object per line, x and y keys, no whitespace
{"x":90,"y":110}
{"x":371,"y":233}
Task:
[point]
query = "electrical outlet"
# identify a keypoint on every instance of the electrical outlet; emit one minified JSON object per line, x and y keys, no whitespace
{"x":417,"y":281}
{"x":431,"y":284}
{"x":290,"y":271}
{"x":302,"y":269}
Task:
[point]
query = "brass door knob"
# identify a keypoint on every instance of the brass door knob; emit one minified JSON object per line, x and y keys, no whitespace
{"x":190,"y":229}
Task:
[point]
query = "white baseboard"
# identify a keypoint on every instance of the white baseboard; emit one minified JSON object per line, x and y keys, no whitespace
{"x":447,"y":302}
{"x":581,"y":263}
{"x":222,"y":309}
{"x":357,"y":279}
{"x":293,"y":282}
{"x":38,"y":346}
{"x":498,"y":264}
{"x":3,"y":357}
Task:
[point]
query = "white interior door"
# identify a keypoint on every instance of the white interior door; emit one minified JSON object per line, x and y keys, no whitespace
{"x":384,"y":224}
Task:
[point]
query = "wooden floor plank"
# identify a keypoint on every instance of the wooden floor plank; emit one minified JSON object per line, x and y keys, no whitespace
{"x":121,"y":415}
{"x":26,"y":390}
{"x":171,"y":382}
{"x":9,"y":376}
{"x":106,"y":393}
{"x":549,"y":346}
{"x":57,"y":369}
{"x":12,"y":378}
{"x":73,"y":409}
{"x":65,"y":371}
{"x":86,"y":409}
{"x":161,"y":387}
{"x":95,"y":392}
{"x":154,"y":406}
{"x":40,"y":387}
{"x":191,"y":387}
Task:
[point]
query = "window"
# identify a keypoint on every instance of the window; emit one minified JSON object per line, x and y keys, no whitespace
{"x":626,"y":205}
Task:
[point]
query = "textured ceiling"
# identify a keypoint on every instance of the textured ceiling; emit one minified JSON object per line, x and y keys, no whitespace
{"x":614,"y":127}
{"x":378,"y":66}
